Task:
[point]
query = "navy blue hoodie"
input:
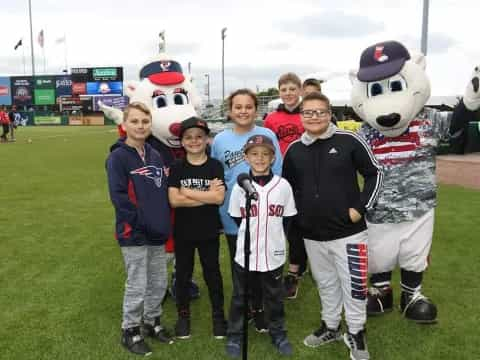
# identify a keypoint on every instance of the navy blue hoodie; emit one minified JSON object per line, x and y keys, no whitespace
{"x":138,"y":191}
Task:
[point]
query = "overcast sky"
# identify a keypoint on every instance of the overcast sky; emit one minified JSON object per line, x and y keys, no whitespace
{"x":264,"y":38}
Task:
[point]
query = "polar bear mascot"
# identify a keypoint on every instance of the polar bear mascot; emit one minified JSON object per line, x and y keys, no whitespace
{"x":389,"y":93}
{"x":171,"y":98}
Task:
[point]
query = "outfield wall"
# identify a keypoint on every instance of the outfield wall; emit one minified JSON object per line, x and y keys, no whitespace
{"x":30,"y":118}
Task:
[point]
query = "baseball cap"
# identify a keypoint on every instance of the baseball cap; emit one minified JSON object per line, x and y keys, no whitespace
{"x":163,"y":72}
{"x":382,"y":60}
{"x":258,"y":140}
{"x":193,"y":122}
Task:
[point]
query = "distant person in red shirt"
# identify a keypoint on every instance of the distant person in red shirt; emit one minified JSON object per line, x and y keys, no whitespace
{"x":5,"y":122}
{"x":286,"y":123}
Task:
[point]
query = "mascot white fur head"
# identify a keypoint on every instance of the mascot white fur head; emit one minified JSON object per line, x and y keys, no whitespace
{"x":167,"y":92}
{"x":390,"y":88}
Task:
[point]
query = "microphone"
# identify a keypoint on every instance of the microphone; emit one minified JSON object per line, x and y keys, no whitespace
{"x":245,"y":183}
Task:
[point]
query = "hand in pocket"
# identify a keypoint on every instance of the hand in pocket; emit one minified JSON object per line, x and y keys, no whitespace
{"x":354,"y":215}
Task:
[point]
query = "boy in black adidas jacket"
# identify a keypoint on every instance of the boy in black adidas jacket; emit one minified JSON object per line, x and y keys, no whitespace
{"x":138,"y":190}
{"x":322,"y":169}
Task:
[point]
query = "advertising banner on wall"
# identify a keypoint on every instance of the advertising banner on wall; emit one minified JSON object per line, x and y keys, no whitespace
{"x":104,"y":88}
{"x":22,"y":90}
{"x":79,"y":78}
{"x":69,"y":103}
{"x":44,"y":93}
{"x":80,"y":75}
{"x":5,"y":93}
{"x":119,"y":102}
{"x":79,"y":88}
{"x":44,"y":96}
{"x":44,"y":82}
{"x":105,"y":74}
{"x":47,"y":120}
{"x":63,"y":85}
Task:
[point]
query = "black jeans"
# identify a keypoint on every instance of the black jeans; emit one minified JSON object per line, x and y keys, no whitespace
{"x":296,"y":247}
{"x":256,"y":293}
{"x":208,"y":251}
{"x":271,"y":283}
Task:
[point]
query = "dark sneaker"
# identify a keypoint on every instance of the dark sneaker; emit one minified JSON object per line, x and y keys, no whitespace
{"x":219,"y":328}
{"x":182,"y":327}
{"x":233,"y":347}
{"x":379,"y":300}
{"x":418,"y":308}
{"x":358,"y":345}
{"x":260,"y":322}
{"x":323,"y":336}
{"x":157,"y":332}
{"x":133,"y":341}
{"x":283,"y":345}
{"x":291,"y":286}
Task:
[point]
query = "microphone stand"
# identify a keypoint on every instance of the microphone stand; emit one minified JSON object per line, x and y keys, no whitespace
{"x":246,"y":252}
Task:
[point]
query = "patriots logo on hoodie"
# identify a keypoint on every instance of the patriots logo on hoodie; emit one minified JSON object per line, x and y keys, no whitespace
{"x":151,"y":172}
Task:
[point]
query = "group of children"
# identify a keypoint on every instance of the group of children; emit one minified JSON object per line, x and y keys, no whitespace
{"x":314,"y":196}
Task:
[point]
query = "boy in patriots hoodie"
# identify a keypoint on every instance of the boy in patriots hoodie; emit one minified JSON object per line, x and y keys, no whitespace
{"x":138,"y":190}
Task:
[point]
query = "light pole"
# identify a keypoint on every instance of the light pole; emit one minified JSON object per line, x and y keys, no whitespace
{"x":31,"y":38}
{"x":208,"y":88}
{"x":224,"y":30}
{"x":425,"y":27}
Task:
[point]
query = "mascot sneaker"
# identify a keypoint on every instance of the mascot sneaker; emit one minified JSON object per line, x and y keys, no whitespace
{"x":133,"y":341}
{"x":379,"y":301}
{"x":357,"y":344}
{"x":418,"y":308}
{"x":323,"y":336}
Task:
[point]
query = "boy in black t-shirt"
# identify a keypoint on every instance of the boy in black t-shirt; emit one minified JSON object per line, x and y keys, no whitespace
{"x":195,"y":189}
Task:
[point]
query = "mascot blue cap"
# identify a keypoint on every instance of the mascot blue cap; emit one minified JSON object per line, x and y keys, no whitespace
{"x":382,"y":60}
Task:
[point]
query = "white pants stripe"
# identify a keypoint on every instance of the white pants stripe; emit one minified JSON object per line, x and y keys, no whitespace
{"x":339,"y":268}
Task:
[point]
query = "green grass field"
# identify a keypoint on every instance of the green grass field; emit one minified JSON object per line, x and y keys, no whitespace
{"x":61,"y":272}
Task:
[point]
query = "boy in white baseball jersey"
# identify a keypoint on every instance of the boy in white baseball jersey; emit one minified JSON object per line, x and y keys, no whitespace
{"x":267,"y":243}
